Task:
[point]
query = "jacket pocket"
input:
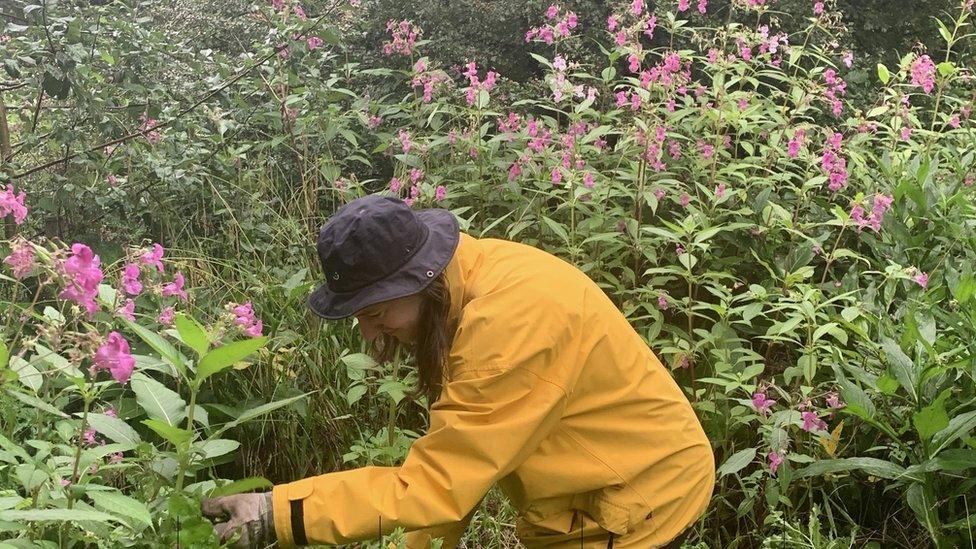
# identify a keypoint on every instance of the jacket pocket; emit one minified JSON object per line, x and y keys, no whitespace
{"x":615,"y":515}
{"x":301,"y":489}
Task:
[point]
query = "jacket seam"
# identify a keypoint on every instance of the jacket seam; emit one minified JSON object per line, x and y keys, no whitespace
{"x":611,"y":469}
{"x":501,"y":369}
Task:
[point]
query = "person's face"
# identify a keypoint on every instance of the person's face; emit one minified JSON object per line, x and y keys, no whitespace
{"x":397,"y":317}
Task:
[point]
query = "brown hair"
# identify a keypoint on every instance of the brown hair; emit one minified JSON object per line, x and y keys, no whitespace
{"x":433,"y":344}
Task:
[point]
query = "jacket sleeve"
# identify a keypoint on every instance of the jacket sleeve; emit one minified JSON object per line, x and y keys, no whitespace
{"x":489,"y":418}
{"x":451,"y":534}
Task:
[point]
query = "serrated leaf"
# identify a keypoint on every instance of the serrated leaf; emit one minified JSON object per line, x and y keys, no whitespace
{"x":217,"y":447}
{"x":192,"y":333}
{"x":157,"y":400}
{"x":4,"y":355}
{"x":160,"y":345}
{"x":258,"y":411}
{"x":871,"y":466}
{"x":118,"y":504}
{"x":958,"y":427}
{"x":933,"y":418}
{"x":26,"y":373}
{"x":737,"y":462}
{"x":225,"y":356}
{"x":65,"y":515}
{"x":901,"y":366}
{"x":36,"y":402}
{"x":174,"y":435}
{"x":114,"y":428}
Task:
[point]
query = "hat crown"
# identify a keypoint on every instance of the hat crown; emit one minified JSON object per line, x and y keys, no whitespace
{"x":367,"y":240}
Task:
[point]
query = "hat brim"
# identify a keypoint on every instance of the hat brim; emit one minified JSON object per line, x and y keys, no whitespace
{"x":410,"y":279}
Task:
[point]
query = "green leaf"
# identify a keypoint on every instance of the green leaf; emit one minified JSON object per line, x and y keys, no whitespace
{"x":258,"y":411}
{"x":67,"y":515}
{"x":241,"y":486}
{"x":901,"y":366}
{"x":32,"y":400}
{"x":157,"y":400}
{"x":871,"y":466}
{"x":958,"y":426}
{"x":113,"y":428}
{"x":355,"y":393}
{"x":4,"y":355}
{"x":160,"y":345}
{"x":737,"y":462}
{"x":933,"y":418}
{"x":192,"y":333}
{"x":225,"y":357}
{"x":217,"y":447}
{"x":118,"y":504}
{"x":56,"y":361}
{"x":174,"y":435}
{"x":28,"y":374}
{"x":883,"y":74}
{"x":946,"y":68}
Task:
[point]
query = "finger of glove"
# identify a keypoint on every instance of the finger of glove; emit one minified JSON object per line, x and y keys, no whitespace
{"x":216,"y":506}
{"x":226,"y":530}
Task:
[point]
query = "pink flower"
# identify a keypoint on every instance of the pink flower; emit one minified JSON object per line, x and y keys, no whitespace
{"x":633,"y":63}
{"x":395,"y":185}
{"x":702,"y":6}
{"x":849,"y":59}
{"x":127,"y":311}
{"x":154,"y":257}
{"x":113,"y":355}
{"x":588,"y":180}
{"x":254,"y":330}
{"x":743,"y":104}
{"x":21,"y":259}
{"x":83,"y":275}
{"x":612,"y":23}
{"x":110,"y":412}
{"x":793,"y":148}
{"x":278,"y":5}
{"x":374,"y":121}
{"x":89,"y":437}
{"x":559,"y":63}
{"x":244,"y":314}
{"x":833,"y":164}
{"x":637,"y":6}
{"x":659,"y":193}
{"x":662,"y":302}
{"x":818,"y":8}
{"x":166,"y":316}
{"x":923,"y":73}
{"x":775,"y":459}
{"x":175,"y":288}
{"x":833,"y":400}
{"x":685,"y":199}
{"x":13,"y":204}
{"x":115,"y":458}
{"x":906,"y":133}
{"x":922,"y":279}
{"x":552,"y":12}
{"x":812,"y":422}
{"x":404,"y":139}
{"x":761,"y":403}
{"x":440,"y":193}
{"x":683,"y":5}
{"x":882,"y":204}
{"x":112,"y":180}
{"x":954,"y":122}
{"x":130,"y":279}
{"x":720,"y":191}
{"x":314,"y":42}
{"x":621,"y":38}
{"x":556,"y":175}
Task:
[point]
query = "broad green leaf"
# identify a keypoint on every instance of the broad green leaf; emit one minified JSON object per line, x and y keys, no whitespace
{"x":225,"y":356}
{"x":161,"y":346}
{"x":113,"y":428}
{"x":883,"y":74}
{"x":157,"y":400}
{"x":355,"y":393}
{"x":871,"y":466}
{"x":28,"y":374}
{"x":933,"y":418}
{"x":4,"y":355}
{"x":36,"y":402}
{"x":118,"y":504}
{"x":737,"y":462}
{"x":959,"y":426}
{"x":65,"y":515}
{"x":241,"y":486}
{"x":174,"y":435}
{"x":217,"y":447}
{"x":258,"y":411}
{"x":192,"y":333}
{"x":901,"y":366}
{"x":56,"y":361}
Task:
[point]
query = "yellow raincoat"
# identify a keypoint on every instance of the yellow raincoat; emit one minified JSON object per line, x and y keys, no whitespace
{"x":551,"y":394}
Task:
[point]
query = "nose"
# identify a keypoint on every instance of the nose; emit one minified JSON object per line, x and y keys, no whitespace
{"x":370,"y":330}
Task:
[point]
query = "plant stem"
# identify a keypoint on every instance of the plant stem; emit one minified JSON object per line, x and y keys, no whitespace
{"x":184,"y":452}
{"x":81,"y":440}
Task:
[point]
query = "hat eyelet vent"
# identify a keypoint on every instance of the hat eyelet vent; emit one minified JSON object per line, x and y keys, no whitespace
{"x":430,"y":274}
{"x":335,"y":276}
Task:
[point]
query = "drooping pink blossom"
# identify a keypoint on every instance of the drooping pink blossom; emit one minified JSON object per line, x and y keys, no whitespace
{"x":775,"y":460}
{"x":440,"y":193}
{"x":818,"y":8}
{"x":127,"y":311}
{"x":833,"y":400}
{"x":720,"y":191}
{"x":637,"y":7}
{"x":113,"y":355}
{"x":793,"y":148}
{"x":588,"y":181}
{"x":683,"y":5}
{"x":922,"y":279}
{"x":21,"y":259}
{"x":761,"y":403}
{"x":175,"y":288}
{"x":659,"y":193}
{"x":130,"y":279}
{"x":612,"y":22}
{"x":13,"y":204}
{"x":684,"y":200}
{"x":662,"y":301}
{"x":812,"y":422}
{"x":395,"y":185}
{"x":314,"y":42}
{"x":702,"y":6}
{"x":83,"y":275}
{"x":166,"y":316}
{"x":154,"y":257}
{"x":923,"y":73}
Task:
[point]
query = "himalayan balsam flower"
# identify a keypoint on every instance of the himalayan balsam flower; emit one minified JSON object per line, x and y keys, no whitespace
{"x":83,"y":275}
{"x":175,"y":288}
{"x":314,"y":42}
{"x":130,"y":279}
{"x":775,"y":459}
{"x":793,"y":148}
{"x":659,"y":193}
{"x":166,"y":316}
{"x":395,"y":185}
{"x":440,"y":193}
{"x":702,"y":6}
{"x":13,"y":204}
{"x":588,"y":180}
{"x":113,"y":355}
{"x":637,"y":7}
{"x":761,"y":403}
{"x":720,"y":191}
{"x":21,"y":259}
{"x":662,"y":302}
{"x":154,"y":257}
{"x":683,"y":5}
{"x":922,"y":279}
{"x":612,"y":23}
{"x":849,"y":59}
{"x":127,"y":311}
{"x":685,"y":199}
{"x":818,"y":8}
{"x":923,"y":73}
{"x":89,"y":437}
{"x":882,"y":203}
{"x":954,"y":122}
{"x":833,"y":400}
{"x":812,"y":422}
{"x":833,"y":164}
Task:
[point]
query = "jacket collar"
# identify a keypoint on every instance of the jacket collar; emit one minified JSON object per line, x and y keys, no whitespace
{"x":459,"y":273}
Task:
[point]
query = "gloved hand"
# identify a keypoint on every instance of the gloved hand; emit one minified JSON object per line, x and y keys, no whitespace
{"x":249,"y":514}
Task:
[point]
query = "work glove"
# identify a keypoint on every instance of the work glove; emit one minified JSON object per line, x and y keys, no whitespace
{"x":249,"y":514}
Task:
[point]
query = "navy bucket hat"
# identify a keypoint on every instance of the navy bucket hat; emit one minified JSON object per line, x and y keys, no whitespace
{"x":377,"y":248}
